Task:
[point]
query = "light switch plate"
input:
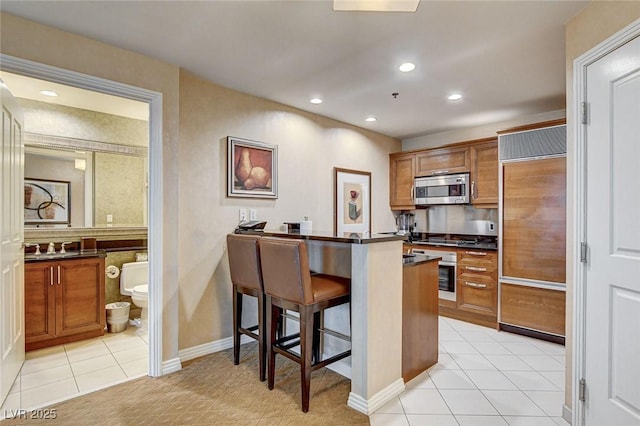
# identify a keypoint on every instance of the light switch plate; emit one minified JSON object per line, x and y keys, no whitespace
{"x":253,"y":214}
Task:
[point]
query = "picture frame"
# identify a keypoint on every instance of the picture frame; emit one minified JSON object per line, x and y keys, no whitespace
{"x":47,"y":202}
{"x":252,"y":169}
{"x":352,"y":206}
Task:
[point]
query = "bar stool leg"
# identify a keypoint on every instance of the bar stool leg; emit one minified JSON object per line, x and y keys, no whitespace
{"x":317,"y":323}
{"x":306,"y":353}
{"x":237,"y":320}
{"x":262,"y":338}
{"x":273,"y":314}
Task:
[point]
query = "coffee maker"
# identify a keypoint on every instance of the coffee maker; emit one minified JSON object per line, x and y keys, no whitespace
{"x":405,"y":222}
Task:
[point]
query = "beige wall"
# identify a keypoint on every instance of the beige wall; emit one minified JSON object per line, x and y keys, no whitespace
{"x":309,"y":146}
{"x":119,"y":189}
{"x":28,"y":40}
{"x":591,"y":26}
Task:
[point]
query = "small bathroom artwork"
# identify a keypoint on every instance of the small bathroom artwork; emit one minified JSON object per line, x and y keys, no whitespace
{"x":46,"y":202}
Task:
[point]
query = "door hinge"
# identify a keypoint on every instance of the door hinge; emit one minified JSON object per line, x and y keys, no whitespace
{"x":583,"y":252}
{"x":584,"y":113}
{"x":582,"y":388}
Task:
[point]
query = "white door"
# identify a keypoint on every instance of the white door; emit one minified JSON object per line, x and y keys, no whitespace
{"x":612,"y":286}
{"x":11,"y":239}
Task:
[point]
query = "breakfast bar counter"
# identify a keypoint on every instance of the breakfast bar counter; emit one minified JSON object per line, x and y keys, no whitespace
{"x":374,"y":265}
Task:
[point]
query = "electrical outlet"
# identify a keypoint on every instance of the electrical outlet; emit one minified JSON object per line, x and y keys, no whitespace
{"x":253,"y":214}
{"x":243,"y":215}
{"x":109,"y":218}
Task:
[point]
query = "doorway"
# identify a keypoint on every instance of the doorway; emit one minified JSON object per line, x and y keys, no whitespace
{"x":154,"y":101}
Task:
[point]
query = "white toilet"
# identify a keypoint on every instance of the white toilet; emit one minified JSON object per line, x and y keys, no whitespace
{"x":134,"y":282}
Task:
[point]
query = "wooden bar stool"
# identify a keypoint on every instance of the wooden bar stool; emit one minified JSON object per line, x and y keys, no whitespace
{"x":246,"y":276}
{"x":288,"y":284}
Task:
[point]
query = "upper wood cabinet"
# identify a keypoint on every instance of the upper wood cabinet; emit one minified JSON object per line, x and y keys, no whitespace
{"x":443,"y":161}
{"x":478,"y":157}
{"x":484,"y":174}
{"x":401,"y":175}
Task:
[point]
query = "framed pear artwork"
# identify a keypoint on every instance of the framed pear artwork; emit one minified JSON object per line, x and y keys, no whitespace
{"x":251,"y":169}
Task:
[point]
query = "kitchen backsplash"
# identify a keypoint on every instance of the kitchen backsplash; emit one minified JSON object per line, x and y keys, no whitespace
{"x":464,"y":220}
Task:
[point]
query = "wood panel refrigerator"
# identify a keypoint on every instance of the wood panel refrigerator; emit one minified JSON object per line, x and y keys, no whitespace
{"x":532,"y":232}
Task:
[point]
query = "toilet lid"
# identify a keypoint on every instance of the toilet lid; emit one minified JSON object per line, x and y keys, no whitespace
{"x":141,"y":289}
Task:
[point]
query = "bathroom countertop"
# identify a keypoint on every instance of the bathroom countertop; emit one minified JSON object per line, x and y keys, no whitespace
{"x":70,"y":255}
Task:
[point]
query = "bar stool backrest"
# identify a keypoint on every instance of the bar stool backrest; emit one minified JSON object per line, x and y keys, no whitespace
{"x":244,"y":260}
{"x":285,"y":269}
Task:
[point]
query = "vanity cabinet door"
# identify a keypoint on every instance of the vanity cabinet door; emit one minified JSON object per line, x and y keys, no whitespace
{"x":80,"y":296}
{"x":39,"y":301}
{"x":64,"y":301}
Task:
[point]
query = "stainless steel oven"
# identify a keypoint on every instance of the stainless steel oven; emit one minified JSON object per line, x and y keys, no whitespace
{"x":446,"y":271}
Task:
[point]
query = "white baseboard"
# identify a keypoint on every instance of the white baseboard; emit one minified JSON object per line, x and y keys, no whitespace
{"x":369,"y":406}
{"x":567,"y":414}
{"x":210,"y":348}
{"x":171,"y":366}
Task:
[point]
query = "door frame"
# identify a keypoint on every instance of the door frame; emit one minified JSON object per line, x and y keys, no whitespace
{"x":579,"y":164}
{"x":154,"y":99}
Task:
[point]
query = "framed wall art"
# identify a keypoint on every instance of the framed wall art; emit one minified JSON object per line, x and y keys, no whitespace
{"x":352,"y":201}
{"x":46,"y":202}
{"x":252,"y":169}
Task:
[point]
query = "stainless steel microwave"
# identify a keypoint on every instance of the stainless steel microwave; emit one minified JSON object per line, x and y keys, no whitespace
{"x":446,"y":189}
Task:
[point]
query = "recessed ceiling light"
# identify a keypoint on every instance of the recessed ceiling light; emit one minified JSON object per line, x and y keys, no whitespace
{"x":407,"y":66}
{"x":370,"y":119}
{"x":316,"y":101}
{"x":454,"y":97}
{"x":48,"y":93}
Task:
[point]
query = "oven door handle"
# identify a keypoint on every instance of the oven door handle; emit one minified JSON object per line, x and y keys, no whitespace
{"x":443,"y":263}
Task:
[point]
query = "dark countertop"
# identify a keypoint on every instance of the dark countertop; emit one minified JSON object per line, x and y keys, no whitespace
{"x":417,"y":259}
{"x":478,"y":246}
{"x":347,"y":237}
{"x":69,"y":255}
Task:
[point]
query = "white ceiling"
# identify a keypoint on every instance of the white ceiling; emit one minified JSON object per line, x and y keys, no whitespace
{"x":506,"y":57}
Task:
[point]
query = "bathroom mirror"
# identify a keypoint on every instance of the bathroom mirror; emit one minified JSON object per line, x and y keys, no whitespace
{"x":108,"y":182}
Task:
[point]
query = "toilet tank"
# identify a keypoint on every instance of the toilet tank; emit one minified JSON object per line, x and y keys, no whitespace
{"x":133,"y":274}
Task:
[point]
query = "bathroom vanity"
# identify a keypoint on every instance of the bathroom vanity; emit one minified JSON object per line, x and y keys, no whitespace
{"x":64,"y":298}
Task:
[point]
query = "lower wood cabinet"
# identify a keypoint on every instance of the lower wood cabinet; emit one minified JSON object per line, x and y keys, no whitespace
{"x":477,"y":282}
{"x":533,"y":308}
{"x":419,"y":318}
{"x":64,"y":301}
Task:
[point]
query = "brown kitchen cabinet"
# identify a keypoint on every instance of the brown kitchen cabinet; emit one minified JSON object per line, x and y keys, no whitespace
{"x":533,"y":308}
{"x":484,"y":174}
{"x":419,"y":318}
{"x":477,"y":282}
{"x":64,"y":301}
{"x":443,"y":161}
{"x":401,"y":176}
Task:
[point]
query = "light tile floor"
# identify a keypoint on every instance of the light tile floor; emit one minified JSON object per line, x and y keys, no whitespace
{"x":483,"y":378}
{"x":61,"y":372}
